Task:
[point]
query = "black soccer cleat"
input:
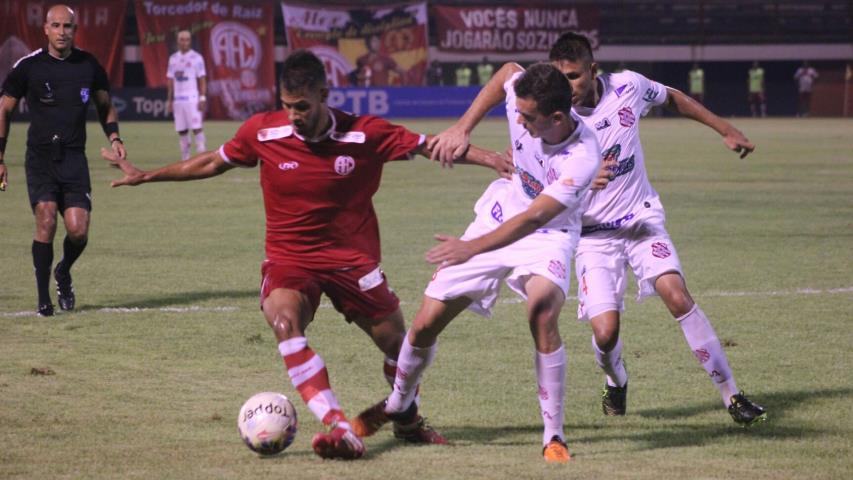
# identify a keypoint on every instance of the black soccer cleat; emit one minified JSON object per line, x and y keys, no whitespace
{"x":744,"y":412}
{"x":45,"y":310}
{"x":613,"y":400}
{"x":64,"y":288}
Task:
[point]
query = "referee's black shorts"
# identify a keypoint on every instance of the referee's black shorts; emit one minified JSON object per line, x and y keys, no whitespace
{"x":60,"y":176}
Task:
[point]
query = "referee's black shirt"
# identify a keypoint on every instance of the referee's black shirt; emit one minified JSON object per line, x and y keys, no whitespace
{"x":58,"y":93}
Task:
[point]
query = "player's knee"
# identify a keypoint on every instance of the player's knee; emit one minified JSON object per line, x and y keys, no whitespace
{"x":606,"y":332}
{"x":284,"y":323}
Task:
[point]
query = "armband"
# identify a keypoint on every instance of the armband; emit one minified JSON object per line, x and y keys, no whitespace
{"x":110,"y":128}
{"x":2,"y":146}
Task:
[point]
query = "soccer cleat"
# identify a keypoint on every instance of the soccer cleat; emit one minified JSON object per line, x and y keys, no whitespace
{"x":418,"y":431}
{"x":613,"y":400}
{"x":339,"y":443}
{"x":744,"y":412}
{"x":45,"y":310}
{"x":64,"y":289}
{"x":371,"y":420}
{"x":556,"y":451}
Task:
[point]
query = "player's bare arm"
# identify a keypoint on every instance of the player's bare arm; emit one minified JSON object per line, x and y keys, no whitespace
{"x":451,"y":143}
{"x":472,"y":156}
{"x":732,"y":137}
{"x":107,"y":115}
{"x":204,"y":165}
{"x":170,"y":94}
{"x":202,"y":94}
{"x":453,"y":251}
{"x":7,"y":106}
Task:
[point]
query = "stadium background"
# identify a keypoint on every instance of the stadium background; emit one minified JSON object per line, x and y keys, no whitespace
{"x":659,"y":39}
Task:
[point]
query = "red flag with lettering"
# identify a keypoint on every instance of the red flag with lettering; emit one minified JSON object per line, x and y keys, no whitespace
{"x":234,"y":37}
{"x":100,"y":31}
{"x":362,"y":45}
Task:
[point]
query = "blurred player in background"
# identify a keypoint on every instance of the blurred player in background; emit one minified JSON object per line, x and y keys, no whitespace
{"x":805,"y":77}
{"x":319,"y":169}
{"x":756,"y":98}
{"x":623,"y":224}
{"x":524,"y":233}
{"x":186,"y":97}
{"x":57,"y":83}
{"x":376,"y":67}
{"x":695,"y":81}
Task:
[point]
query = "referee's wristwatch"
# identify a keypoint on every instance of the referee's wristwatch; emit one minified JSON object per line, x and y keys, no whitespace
{"x":116,"y":139}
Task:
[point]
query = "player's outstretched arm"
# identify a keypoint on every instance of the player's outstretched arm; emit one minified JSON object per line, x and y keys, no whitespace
{"x":451,"y":143}
{"x":7,"y":106}
{"x":204,"y":165}
{"x":473,"y":155}
{"x":732,"y":137}
{"x":452,"y":251}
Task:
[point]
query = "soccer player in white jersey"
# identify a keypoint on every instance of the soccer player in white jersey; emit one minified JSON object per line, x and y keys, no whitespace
{"x":524,"y":233}
{"x":187,"y":94}
{"x":623,"y":224}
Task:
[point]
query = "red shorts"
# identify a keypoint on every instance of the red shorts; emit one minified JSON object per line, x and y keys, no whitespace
{"x":356,"y":292}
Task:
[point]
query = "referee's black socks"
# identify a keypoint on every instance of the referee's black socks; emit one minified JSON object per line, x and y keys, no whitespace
{"x":71,"y":250}
{"x":42,"y":260}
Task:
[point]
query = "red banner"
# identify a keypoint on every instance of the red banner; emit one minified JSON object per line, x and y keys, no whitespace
{"x":365,"y":45}
{"x":234,"y":37}
{"x":100,"y":30}
{"x":503,"y":30}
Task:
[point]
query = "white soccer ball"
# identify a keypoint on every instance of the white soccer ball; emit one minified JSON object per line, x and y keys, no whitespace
{"x":267,"y":423}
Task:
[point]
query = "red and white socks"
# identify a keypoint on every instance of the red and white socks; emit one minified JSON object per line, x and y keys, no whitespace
{"x":309,"y":376}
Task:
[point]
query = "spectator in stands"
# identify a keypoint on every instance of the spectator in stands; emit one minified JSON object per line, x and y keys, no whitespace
{"x":435,"y":74}
{"x":484,"y":71}
{"x":756,"y":98}
{"x":463,"y":75}
{"x":696,"y":82}
{"x":361,"y":76}
{"x":805,"y":77}
{"x":378,"y":64}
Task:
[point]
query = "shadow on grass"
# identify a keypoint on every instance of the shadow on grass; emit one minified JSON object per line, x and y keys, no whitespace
{"x":667,"y":433}
{"x":177,"y":299}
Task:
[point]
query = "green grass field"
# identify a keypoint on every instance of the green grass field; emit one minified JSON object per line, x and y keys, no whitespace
{"x":149,"y":373}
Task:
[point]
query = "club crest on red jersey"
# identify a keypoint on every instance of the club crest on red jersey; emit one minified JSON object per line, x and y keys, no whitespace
{"x":344,"y":165}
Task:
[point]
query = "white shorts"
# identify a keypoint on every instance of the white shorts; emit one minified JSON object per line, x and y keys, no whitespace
{"x":187,"y":115}
{"x":601,"y":265}
{"x":546,"y":253}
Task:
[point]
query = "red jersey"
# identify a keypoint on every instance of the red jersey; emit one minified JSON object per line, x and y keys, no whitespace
{"x":318,"y":195}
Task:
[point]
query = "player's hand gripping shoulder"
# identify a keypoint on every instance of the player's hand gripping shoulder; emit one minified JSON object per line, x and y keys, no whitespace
{"x":735,"y":140}
{"x":451,"y":251}
{"x":132,"y":175}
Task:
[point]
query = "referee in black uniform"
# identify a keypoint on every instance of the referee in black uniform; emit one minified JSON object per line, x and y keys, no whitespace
{"x":58,"y":82}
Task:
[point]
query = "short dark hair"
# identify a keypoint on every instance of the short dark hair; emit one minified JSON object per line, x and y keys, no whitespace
{"x":302,"y":70}
{"x":547,"y":86}
{"x":571,"y":47}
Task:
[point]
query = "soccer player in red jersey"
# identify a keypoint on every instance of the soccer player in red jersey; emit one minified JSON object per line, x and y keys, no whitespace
{"x":319,"y":169}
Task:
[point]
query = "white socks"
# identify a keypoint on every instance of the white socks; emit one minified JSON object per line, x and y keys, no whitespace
{"x":185,"y":142}
{"x":702,"y":339}
{"x":551,"y":378}
{"x":410,"y":368}
{"x":200,"y":143}
{"x":612,"y":364}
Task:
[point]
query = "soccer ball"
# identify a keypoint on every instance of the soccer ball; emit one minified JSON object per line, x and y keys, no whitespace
{"x":267,"y":423}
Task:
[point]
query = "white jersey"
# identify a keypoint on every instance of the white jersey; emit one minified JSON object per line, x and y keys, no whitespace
{"x":564,"y":171}
{"x":185,"y":69}
{"x":805,"y":77}
{"x":629,"y":196}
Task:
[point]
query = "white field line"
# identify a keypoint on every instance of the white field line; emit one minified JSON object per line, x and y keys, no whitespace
{"x":512,"y":300}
